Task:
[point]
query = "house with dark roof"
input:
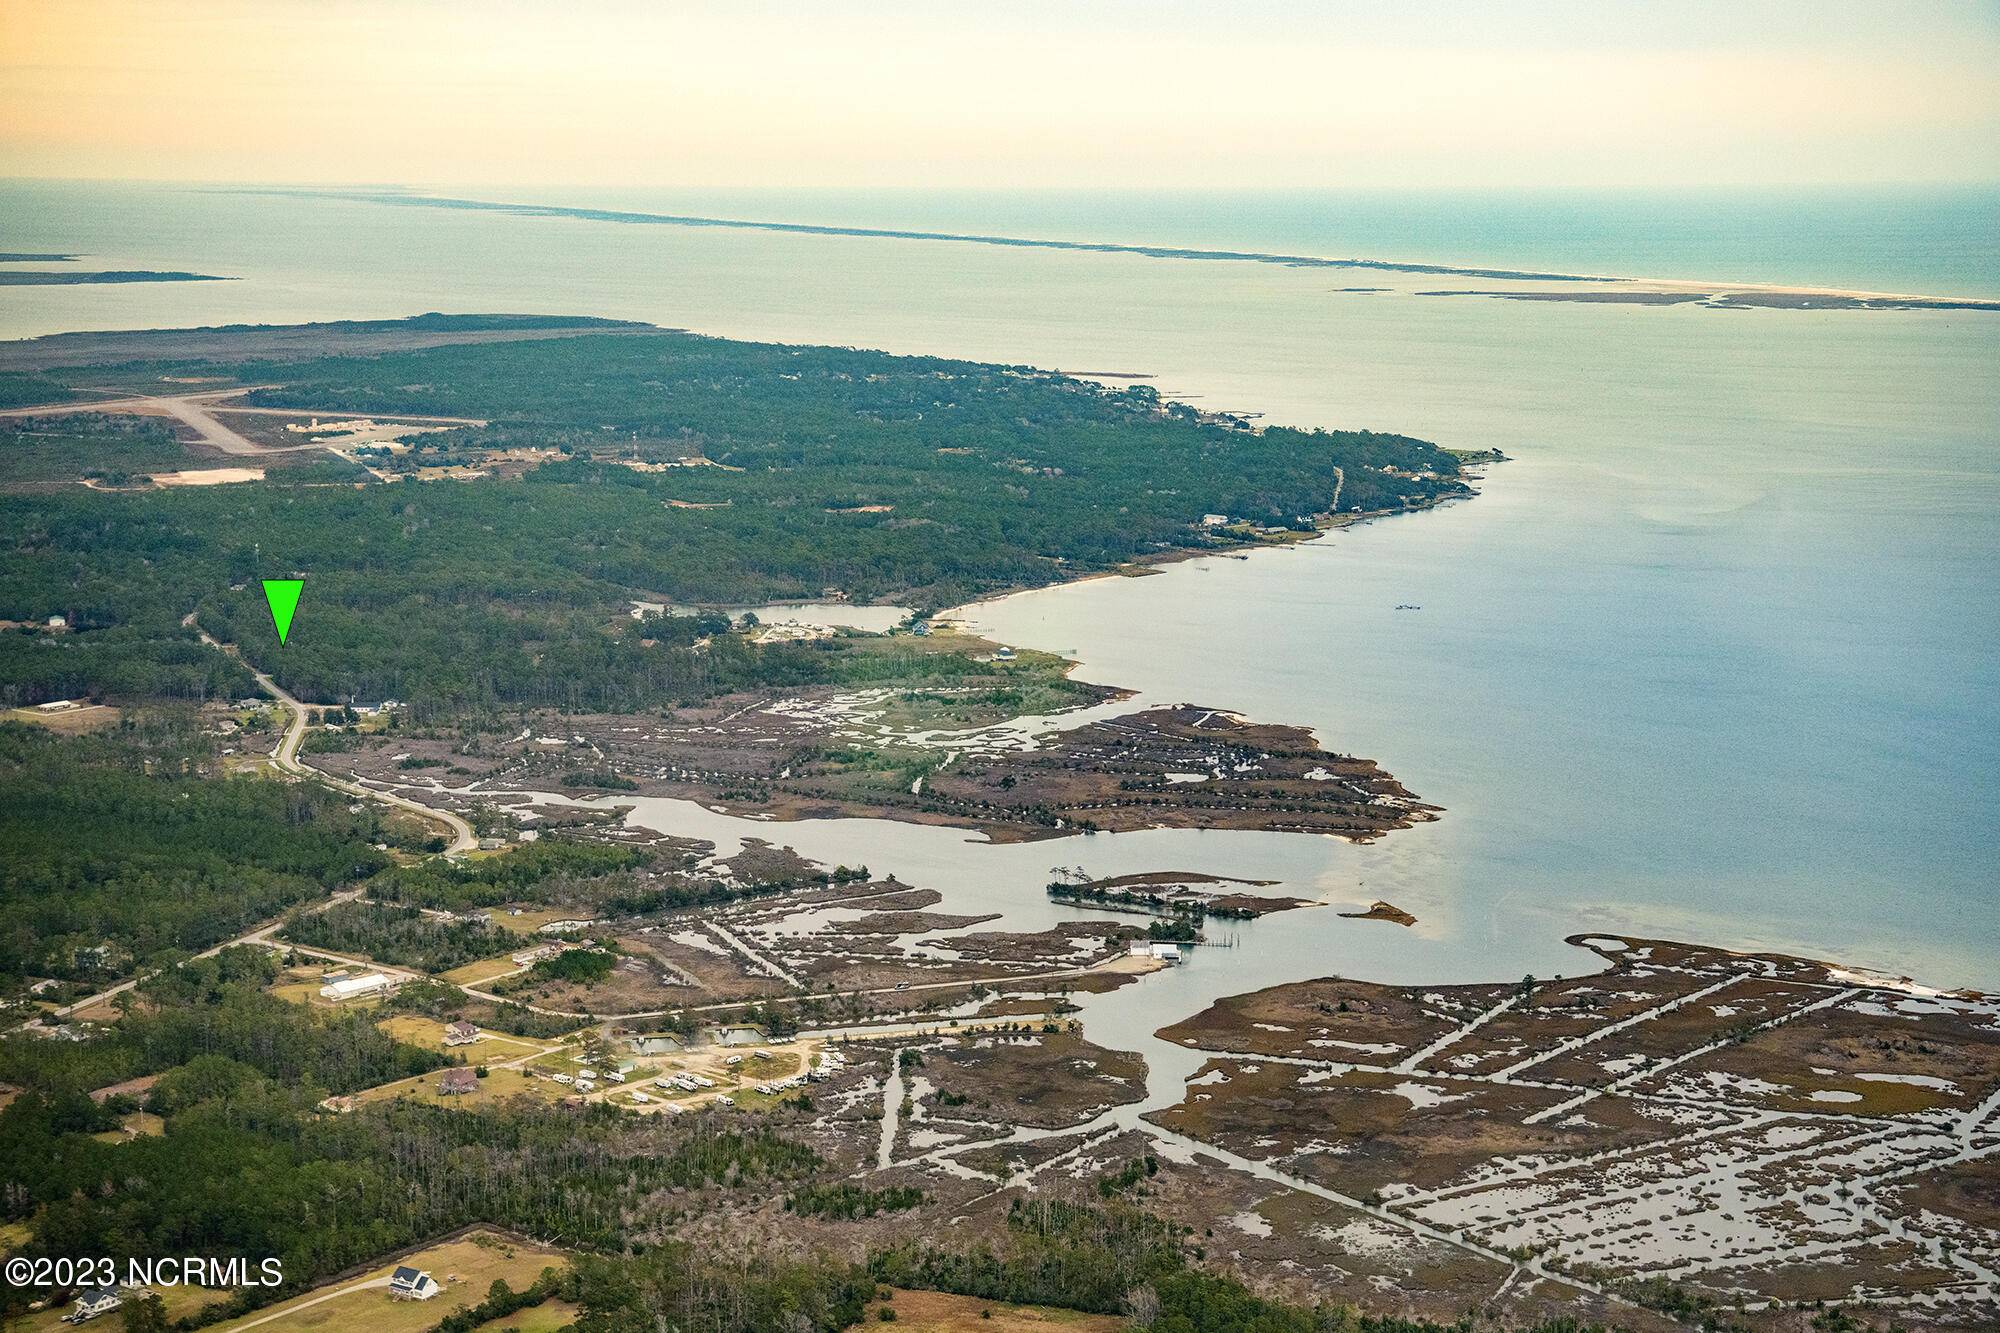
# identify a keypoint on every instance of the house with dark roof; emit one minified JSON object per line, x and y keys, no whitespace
{"x":455,"y":1082}
{"x":412,"y":1284}
{"x":461,"y":1033}
{"x":92,"y":1303}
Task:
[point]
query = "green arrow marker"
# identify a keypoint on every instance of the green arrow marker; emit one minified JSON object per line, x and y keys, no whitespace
{"x":283,"y":595}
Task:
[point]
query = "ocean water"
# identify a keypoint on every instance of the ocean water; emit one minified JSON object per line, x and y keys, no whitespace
{"x":1940,"y":241}
{"x":1715,"y":656}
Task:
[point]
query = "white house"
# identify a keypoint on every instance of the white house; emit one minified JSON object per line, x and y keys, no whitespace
{"x":354,"y":988}
{"x":92,"y":1303}
{"x":1166,"y":953}
{"x":1215,"y":520}
{"x":461,"y":1034}
{"x":410,"y":1284}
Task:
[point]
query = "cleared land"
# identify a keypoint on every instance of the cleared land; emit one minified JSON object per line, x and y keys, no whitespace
{"x":465,"y":1267}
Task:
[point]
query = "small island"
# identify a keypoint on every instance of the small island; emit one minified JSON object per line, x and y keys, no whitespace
{"x":9,"y":278}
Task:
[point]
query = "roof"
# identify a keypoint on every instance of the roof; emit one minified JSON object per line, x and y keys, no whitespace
{"x":459,"y":1079}
{"x":356,"y":985}
{"x":408,"y":1276}
{"x":462,"y":1026}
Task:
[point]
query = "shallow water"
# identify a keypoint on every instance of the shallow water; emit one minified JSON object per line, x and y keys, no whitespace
{"x":1715,"y":657}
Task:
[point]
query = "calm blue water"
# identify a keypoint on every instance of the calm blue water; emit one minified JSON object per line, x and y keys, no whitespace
{"x":1714,"y":657}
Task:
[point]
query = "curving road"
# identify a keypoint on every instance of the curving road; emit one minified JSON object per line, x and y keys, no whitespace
{"x":286,"y":757}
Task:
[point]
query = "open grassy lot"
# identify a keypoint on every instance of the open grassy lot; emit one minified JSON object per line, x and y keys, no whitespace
{"x":428,"y":1033}
{"x":544,"y":1318}
{"x":498,"y":1085}
{"x":133,"y":1126}
{"x":179,"y":1302}
{"x":936,"y":1312}
{"x":91,"y":717}
{"x":301,"y":985}
{"x":486,"y":969}
{"x":530,"y":919}
{"x":298,"y":991}
{"x":465,"y":1268}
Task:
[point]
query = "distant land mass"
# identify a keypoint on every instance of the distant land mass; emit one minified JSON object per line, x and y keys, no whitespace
{"x":13,"y":257}
{"x":106,"y":275}
{"x":893,"y":234}
{"x":1762,"y":299}
{"x":1623,"y":289}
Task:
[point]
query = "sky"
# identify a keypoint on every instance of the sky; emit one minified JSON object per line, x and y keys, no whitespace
{"x":1002,"y":93}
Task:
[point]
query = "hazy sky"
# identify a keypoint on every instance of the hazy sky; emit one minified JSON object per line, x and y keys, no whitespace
{"x":888,"y":92}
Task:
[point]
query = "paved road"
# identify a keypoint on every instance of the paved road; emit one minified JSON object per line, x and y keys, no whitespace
{"x":256,"y":935}
{"x":289,"y":1310}
{"x":286,"y":757}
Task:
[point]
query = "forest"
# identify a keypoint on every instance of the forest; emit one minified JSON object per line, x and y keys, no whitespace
{"x":547,"y":871}
{"x":216,"y":1009}
{"x":678,"y":468}
{"x":395,"y":934}
{"x":120,"y":849}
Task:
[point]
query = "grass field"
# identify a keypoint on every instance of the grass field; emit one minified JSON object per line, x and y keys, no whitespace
{"x":491,"y":1048}
{"x":464,"y":1267}
{"x":473,"y":974}
{"x":530,"y":920}
{"x":91,"y":717}
{"x":298,"y":992}
{"x":179,"y":1302}
{"x":498,"y":1085}
{"x":544,"y":1318}
{"x":935,"y":1312}
{"x":135,"y":1125}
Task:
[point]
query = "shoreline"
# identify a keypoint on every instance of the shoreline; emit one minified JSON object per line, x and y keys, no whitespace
{"x":412,"y":199}
{"x":1144,"y":566}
